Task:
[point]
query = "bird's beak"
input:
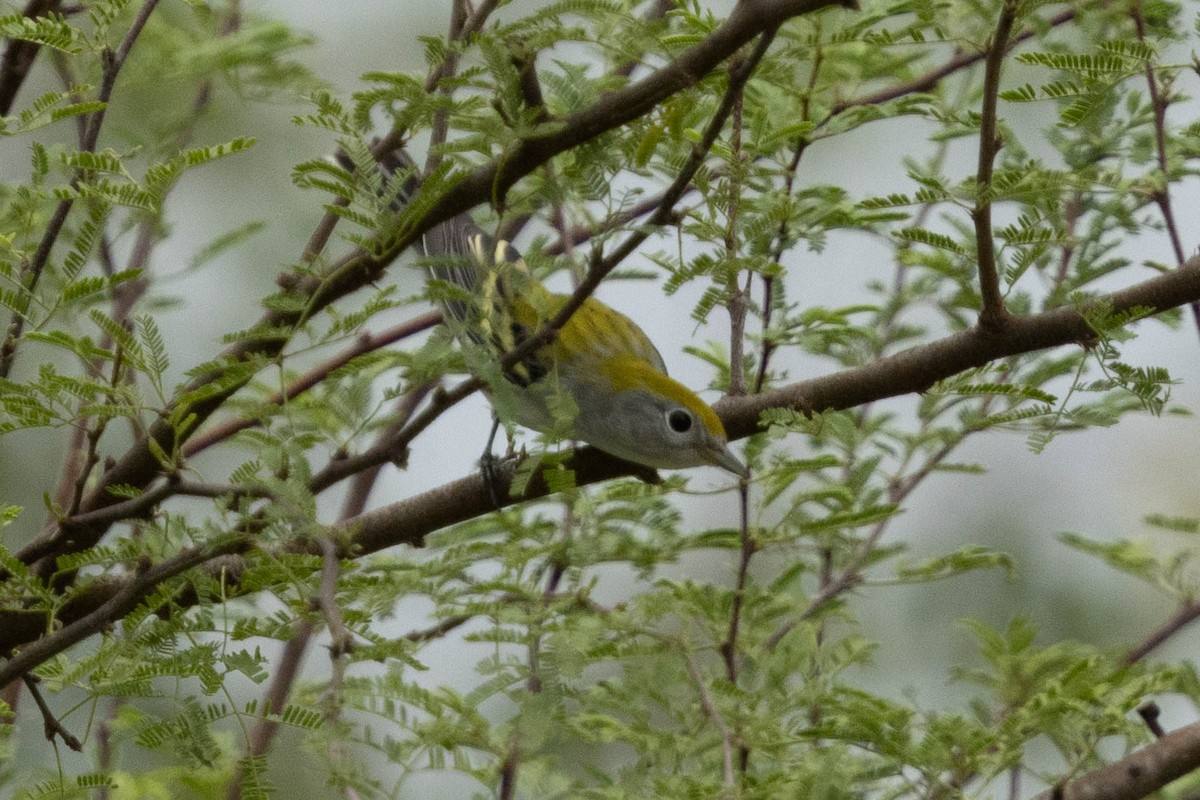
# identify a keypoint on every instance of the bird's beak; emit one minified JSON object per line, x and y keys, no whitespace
{"x":721,"y":456}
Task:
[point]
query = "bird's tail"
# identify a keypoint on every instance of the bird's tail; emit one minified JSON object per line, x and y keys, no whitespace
{"x":482,"y":279}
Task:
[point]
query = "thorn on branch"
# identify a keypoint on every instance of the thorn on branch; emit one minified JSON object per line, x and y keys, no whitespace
{"x":1150,"y":712}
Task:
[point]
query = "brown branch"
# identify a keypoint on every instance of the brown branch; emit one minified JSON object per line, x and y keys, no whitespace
{"x":993,"y":313}
{"x":342,"y":640}
{"x":1162,"y":195}
{"x":140,"y":507}
{"x":360,"y":488}
{"x":579,"y":234}
{"x":436,"y":631}
{"x":729,"y":647}
{"x":747,"y":551}
{"x":738,"y":298}
{"x":1138,"y":774}
{"x":393,"y":445}
{"x":713,"y":713}
{"x":508,"y":773}
{"x":104,"y":742}
{"x":266,"y":725}
{"x":1186,"y":614}
{"x":781,"y":235}
{"x":124,"y":600}
{"x":90,"y":444}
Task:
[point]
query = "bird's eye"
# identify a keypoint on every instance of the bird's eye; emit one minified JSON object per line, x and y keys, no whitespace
{"x":679,"y":420}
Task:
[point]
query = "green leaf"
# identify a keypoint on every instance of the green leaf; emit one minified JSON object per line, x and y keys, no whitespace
{"x":927,"y":237}
{"x":8,"y":514}
{"x":1190,"y":525}
{"x":1131,"y":557}
{"x":968,"y":559}
{"x":50,"y":30}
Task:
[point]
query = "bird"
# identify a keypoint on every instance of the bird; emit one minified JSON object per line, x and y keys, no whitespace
{"x":599,"y":379}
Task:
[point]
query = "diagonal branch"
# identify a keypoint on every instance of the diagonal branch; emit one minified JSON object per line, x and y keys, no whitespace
{"x":122,"y":602}
{"x":1187,"y":613}
{"x":366,"y":343}
{"x":1138,"y":774}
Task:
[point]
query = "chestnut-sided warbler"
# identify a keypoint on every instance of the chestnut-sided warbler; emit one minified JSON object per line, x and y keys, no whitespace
{"x":599,"y":379}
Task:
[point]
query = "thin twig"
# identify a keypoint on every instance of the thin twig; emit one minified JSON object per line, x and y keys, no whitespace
{"x":92,"y":438}
{"x":104,"y":744}
{"x":729,"y":648}
{"x":365,"y":343}
{"x":437,"y":631}
{"x":782,"y":234}
{"x":364,"y":481}
{"x":746,"y":552}
{"x":993,"y":313}
{"x":342,"y":640}
{"x":1162,"y":195}
{"x":392,"y":447}
{"x":959,"y":61}
{"x":714,"y":714}
{"x":139,"y":507}
{"x":580,"y":234}
{"x":1185,"y":615}
{"x":50,"y":723}
{"x":283,"y":680}
{"x":738,"y":301}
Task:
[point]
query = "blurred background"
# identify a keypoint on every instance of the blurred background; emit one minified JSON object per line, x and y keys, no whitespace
{"x":1100,"y":483}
